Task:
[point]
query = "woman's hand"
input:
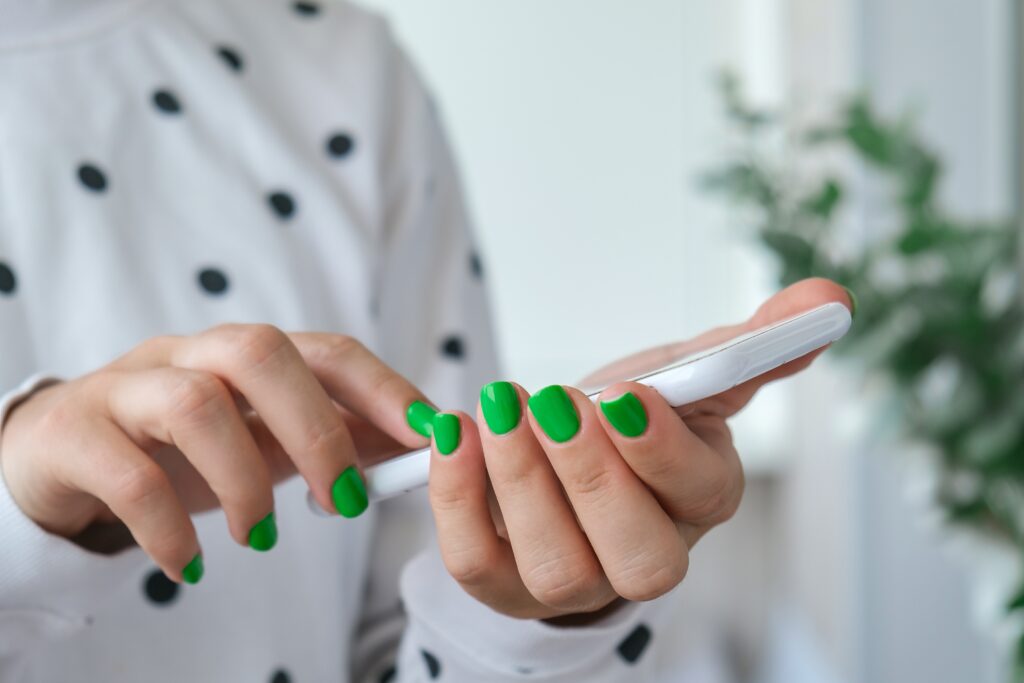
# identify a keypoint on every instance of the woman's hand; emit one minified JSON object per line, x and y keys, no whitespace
{"x":182,"y":424}
{"x":593,"y":502}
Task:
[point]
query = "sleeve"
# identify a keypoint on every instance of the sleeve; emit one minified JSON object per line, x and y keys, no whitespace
{"x":435,"y":328}
{"x":49,"y":586}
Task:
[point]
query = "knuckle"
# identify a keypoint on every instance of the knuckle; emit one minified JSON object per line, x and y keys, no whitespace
{"x":564,"y":583}
{"x":139,"y":485}
{"x":343,"y":345}
{"x":331,"y":438}
{"x":254,"y":346}
{"x":196,"y":397}
{"x":718,"y":505}
{"x":595,"y":484}
{"x":651,"y":578}
{"x":472,"y":565}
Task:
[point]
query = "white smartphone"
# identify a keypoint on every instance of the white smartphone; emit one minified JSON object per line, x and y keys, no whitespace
{"x":691,"y":378}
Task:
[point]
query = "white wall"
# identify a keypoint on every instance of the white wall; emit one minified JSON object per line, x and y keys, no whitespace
{"x":950,"y":61}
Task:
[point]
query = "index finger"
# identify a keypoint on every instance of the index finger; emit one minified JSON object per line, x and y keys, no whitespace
{"x":263,"y":365}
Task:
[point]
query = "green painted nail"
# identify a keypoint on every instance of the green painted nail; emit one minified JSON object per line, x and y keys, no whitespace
{"x":500,"y":405}
{"x":193,"y":571}
{"x":447,"y":431}
{"x":626,"y":413}
{"x":420,"y":417}
{"x":555,"y":413}
{"x":263,"y":535}
{"x":853,"y":302}
{"x":349,"y":493}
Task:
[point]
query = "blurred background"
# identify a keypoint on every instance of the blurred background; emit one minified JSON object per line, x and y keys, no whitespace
{"x":624,"y":199}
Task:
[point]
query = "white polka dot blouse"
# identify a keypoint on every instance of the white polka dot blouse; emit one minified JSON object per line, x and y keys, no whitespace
{"x":170,"y":165}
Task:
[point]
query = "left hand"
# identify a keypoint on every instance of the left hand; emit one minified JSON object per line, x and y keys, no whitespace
{"x":564,"y":513}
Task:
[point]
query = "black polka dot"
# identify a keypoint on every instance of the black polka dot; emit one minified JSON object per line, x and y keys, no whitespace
{"x":340,"y":145}
{"x":166,"y":102}
{"x":8,"y":283}
{"x":231,"y":57}
{"x":282,"y":203}
{"x":433,"y":666}
{"x":306,"y":9}
{"x":281,"y":676}
{"x":159,"y":589}
{"x":213,"y":281}
{"x":635,"y":643}
{"x":475,"y":265}
{"x":453,"y":347}
{"x":92,"y":177}
{"x":388,"y":675}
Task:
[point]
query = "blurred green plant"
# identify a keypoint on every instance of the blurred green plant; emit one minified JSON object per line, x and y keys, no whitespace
{"x":940,"y":315}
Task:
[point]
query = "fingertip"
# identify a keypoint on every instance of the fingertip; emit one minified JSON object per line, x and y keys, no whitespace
{"x":624,"y":411}
{"x":194,"y":570}
{"x":452,"y":430}
{"x":501,"y":406}
{"x":419,"y":417}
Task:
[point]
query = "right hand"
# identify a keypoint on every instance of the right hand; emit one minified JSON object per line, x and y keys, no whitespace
{"x":182,"y":424}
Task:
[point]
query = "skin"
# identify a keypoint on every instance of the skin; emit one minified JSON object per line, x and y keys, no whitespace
{"x":632,"y":508}
{"x":530,"y":527}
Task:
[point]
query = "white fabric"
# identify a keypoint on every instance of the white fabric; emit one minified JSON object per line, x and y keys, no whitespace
{"x":377,"y":247}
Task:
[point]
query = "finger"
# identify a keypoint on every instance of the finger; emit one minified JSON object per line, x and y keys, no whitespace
{"x":109,"y":466}
{"x":552,"y":553}
{"x":793,"y":300}
{"x":474,"y":554}
{"x":694,"y":481}
{"x":364,"y":384}
{"x":636,"y":542}
{"x":194,"y":411}
{"x":264,"y":366}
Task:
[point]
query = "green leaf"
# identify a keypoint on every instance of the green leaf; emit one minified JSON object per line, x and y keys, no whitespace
{"x":796,"y":253}
{"x":824,"y":201}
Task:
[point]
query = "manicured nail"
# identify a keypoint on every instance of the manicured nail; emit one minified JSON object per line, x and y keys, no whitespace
{"x":193,"y":571}
{"x":500,"y":405}
{"x":446,"y":432}
{"x":555,"y":413}
{"x":349,"y":493}
{"x":420,"y":417}
{"x":853,"y":302}
{"x":626,"y":413}
{"x":263,"y":535}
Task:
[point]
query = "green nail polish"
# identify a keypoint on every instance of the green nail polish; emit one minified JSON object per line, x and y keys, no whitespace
{"x":446,"y":432}
{"x":626,"y":413}
{"x":193,"y":571}
{"x":853,"y":302}
{"x":500,"y":405}
{"x":555,"y":413}
{"x":420,"y":417}
{"x":349,"y":493}
{"x":263,"y":535}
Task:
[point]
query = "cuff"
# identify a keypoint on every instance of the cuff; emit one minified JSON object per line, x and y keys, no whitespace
{"x":487,"y":641}
{"x":48,"y":585}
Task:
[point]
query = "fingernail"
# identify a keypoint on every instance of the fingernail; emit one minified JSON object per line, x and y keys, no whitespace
{"x":500,"y":405}
{"x":349,"y":493}
{"x":193,"y":571}
{"x":263,"y":535}
{"x":446,"y":432}
{"x":626,"y":413}
{"x":420,"y":417}
{"x":555,"y":413}
{"x":853,"y":302}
